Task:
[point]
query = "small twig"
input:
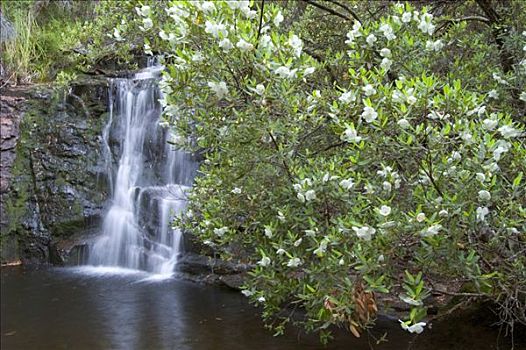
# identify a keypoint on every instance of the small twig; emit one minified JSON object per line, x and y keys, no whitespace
{"x":353,"y":14}
{"x":260,"y":22}
{"x":329,"y":10}
{"x":289,"y":174}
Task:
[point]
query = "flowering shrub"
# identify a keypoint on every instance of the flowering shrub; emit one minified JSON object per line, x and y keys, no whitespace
{"x":377,"y":182}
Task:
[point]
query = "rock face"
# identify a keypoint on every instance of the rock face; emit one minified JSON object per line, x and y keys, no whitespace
{"x":53,"y":183}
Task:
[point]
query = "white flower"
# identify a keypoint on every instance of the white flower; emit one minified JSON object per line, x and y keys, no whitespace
{"x":220,"y":89}
{"x":499,"y":79}
{"x":296,"y":44}
{"x":144,"y":11}
{"x":280,"y":251}
{"x":268,"y":232}
{"x":484,"y":195}
{"x":281,"y":217}
{"x":502,"y":147}
{"x":354,"y":33}
{"x":387,"y":31}
{"x":147,"y":23}
{"x":411,"y":99}
{"x":262,"y":299}
{"x":294,"y":262}
{"x":350,"y":135}
{"x":285,"y":72}
{"x":235,"y":4}
{"x":386,"y":63}
{"x":480,"y":177}
{"x":398,"y":96}
{"x":385,"y":210}
{"x":443,"y":213}
{"x":369,"y":90}
{"x":247,"y":292}
{"x":321,"y":249}
{"x":310,"y":195}
{"x":481,"y":213}
{"x":278,"y":19}
{"x":266,"y":42}
{"x":416,"y":328}
{"x":364,"y":232}
{"x":311,"y":233}
{"x":420,"y":217}
{"x":371,"y":39}
{"x":208,"y":6}
{"x":508,"y":131}
{"x":489,"y":124}
{"x":226,"y":45}
{"x":308,"y":71}
{"x":301,"y":197}
{"x":117,"y":35}
{"x":347,"y":97}
{"x":148,"y":49}
{"x":220,"y":231}
{"x":387,"y":186}
{"x":406,"y":17}
{"x":244,"y":46}
{"x":455,"y":155}
{"x":260,"y":89}
{"x":198,"y":57}
{"x":434,"y":45}
{"x":467,"y":137}
{"x":522,"y":96}
{"x":431,"y":231}
{"x":215,"y":29}
{"x":403,"y":123}
{"x":493,"y":94}
{"x":425,"y":24}
{"x":265,"y":261}
{"x":236,"y":190}
{"x":347,"y":184}
{"x":369,"y":114}
{"x":385,"y":52}
{"x":298,"y":242}
{"x":341,"y":262}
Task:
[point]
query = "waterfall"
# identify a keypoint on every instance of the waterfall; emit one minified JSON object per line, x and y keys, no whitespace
{"x":147,"y":178}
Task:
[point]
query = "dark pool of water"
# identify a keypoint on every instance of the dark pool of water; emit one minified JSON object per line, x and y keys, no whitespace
{"x":67,"y":309}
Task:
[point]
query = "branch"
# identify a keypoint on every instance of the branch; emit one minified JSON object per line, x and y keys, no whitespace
{"x":260,"y":22}
{"x":353,"y":14}
{"x":499,"y":31}
{"x":468,"y":18}
{"x":326,"y":9}
{"x":289,"y":174}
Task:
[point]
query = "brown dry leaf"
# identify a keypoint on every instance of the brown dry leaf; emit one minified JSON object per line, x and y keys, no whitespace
{"x":354,"y":330}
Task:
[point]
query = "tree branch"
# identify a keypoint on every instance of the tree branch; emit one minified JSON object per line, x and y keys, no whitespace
{"x":326,"y":9}
{"x":353,"y":14}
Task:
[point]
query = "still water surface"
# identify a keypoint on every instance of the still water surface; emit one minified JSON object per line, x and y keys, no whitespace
{"x":83,"y":308}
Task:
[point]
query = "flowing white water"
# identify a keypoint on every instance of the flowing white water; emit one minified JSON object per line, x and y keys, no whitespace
{"x":148,"y":181}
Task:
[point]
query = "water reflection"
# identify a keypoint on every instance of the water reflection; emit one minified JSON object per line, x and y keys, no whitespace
{"x":127,"y":309}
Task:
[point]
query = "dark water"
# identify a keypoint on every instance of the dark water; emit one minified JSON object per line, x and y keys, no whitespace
{"x":65,"y":309}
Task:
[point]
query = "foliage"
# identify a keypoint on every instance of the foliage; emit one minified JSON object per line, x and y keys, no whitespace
{"x":61,"y":38}
{"x":336,"y":186}
{"x":346,"y":158}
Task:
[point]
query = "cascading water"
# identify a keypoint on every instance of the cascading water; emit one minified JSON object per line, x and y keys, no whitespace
{"x":148,"y":181}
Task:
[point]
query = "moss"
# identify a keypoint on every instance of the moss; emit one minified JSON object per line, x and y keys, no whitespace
{"x":67,"y":228}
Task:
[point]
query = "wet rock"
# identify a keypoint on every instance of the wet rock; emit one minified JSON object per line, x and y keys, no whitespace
{"x":210,"y":270}
{"x":50,"y":167}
